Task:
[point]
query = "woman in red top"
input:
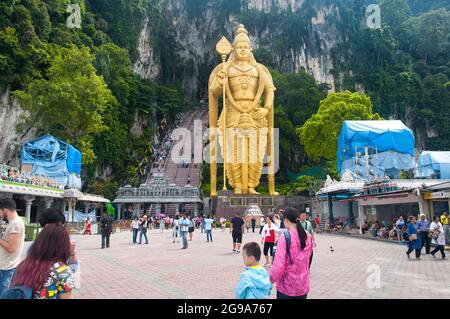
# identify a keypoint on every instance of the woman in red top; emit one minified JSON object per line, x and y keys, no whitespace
{"x":317,"y":221}
{"x":87,"y":227}
{"x":268,"y":239}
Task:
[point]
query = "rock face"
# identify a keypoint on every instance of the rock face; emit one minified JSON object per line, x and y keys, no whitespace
{"x":196,"y":34}
{"x":11,"y":136}
{"x":146,"y":65}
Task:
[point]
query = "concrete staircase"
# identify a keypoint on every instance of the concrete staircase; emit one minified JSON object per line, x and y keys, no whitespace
{"x":190,"y":172}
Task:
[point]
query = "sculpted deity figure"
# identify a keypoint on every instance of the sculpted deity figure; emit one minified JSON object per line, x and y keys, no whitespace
{"x":248,"y":117}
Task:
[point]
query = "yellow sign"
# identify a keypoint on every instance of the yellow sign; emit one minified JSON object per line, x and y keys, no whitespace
{"x":428,"y":195}
{"x":437,"y":195}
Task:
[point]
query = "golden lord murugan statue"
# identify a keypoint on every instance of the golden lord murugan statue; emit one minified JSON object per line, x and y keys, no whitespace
{"x":246,"y":121}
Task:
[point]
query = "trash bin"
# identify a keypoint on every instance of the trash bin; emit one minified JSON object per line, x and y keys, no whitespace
{"x":32,"y":231}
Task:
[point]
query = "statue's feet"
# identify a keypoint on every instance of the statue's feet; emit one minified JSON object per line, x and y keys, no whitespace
{"x":252,"y":191}
{"x":274,"y":194}
{"x":237,"y":191}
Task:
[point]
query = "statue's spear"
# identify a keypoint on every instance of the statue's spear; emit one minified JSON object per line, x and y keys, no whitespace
{"x":224,"y":48}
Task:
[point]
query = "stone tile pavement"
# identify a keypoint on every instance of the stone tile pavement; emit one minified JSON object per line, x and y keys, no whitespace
{"x":211,"y":270}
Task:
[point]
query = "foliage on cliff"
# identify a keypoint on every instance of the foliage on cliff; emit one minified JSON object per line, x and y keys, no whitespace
{"x":78,"y":83}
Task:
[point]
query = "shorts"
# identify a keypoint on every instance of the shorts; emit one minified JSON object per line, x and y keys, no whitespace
{"x":268,"y":246}
{"x":237,"y":238}
{"x":191,"y":229}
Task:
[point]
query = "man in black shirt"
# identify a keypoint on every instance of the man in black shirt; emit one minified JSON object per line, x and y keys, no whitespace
{"x":236,"y":230}
{"x":253,"y":224}
{"x":106,"y":229}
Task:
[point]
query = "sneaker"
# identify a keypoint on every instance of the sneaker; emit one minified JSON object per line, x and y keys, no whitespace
{"x":237,"y":251}
{"x":234,"y":250}
{"x":409,"y":257}
{"x":433,"y":255}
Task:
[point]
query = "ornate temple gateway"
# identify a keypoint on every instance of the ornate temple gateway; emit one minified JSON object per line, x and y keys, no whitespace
{"x":157,"y":192}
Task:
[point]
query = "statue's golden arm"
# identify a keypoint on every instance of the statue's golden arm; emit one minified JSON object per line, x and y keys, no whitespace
{"x":269,"y":96}
{"x":213,"y":95}
{"x":215,"y":87}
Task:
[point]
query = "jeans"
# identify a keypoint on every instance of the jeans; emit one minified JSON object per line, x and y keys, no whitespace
{"x":135,"y":232}
{"x":253,"y":228}
{"x":439,"y":248}
{"x":184,"y":236}
{"x":208,"y":235}
{"x":105,"y":236}
{"x":175,"y":233}
{"x":143,"y":233}
{"x":426,"y":241}
{"x":5,"y":279}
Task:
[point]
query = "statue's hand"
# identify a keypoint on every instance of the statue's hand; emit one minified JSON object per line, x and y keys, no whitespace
{"x":261,"y":113}
{"x":220,"y":76}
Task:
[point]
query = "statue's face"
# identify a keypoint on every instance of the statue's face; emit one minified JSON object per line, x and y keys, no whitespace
{"x":243,"y":51}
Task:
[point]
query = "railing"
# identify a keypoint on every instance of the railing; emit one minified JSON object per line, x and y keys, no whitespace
{"x":28,"y":180}
{"x":151,"y":192}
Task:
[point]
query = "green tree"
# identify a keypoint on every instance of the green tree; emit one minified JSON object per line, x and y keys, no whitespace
{"x":429,"y":34}
{"x":320,"y":133}
{"x":70,"y":102}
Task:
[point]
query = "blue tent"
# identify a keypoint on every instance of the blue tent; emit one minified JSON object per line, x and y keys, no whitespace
{"x":434,"y":163}
{"x":52,"y":157}
{"x":390,"y":140}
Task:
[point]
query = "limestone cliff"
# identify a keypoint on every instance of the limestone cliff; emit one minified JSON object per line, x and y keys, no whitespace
{"x":196,"y":34}
{"x":12,"y":134}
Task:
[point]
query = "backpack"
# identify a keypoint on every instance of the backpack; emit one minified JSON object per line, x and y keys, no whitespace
{"x":18,"y":292}
{"x":287,"y":236}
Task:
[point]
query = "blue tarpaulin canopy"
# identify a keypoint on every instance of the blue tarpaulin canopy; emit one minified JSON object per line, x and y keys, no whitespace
{"x":434,"y":163}
{"x":52,"y":157}
{"x":392,"y":141}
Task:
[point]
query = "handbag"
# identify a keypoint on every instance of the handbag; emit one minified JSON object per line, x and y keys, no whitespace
{"x":413,"y":236}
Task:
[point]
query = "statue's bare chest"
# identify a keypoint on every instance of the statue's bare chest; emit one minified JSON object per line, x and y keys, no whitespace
{"x":243,"y":81}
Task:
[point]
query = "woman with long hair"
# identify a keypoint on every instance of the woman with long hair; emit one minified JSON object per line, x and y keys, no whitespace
{"x":290,"y":270}
{"x":45,"y":268}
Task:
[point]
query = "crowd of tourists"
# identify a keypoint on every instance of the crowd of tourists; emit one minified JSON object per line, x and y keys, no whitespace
{"x":399,"y":229}
{"x":282,"y":258}
{"x":182,"y":226}
{"x":162,"y":148}
{"x":417,"y":232}
{"x":12,"y":174}
{"x":420,"y":233}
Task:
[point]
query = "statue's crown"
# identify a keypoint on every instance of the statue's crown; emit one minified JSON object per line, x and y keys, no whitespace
{"x":241,"y":35}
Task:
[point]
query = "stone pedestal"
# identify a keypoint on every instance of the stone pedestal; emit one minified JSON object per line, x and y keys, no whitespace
{"x":227,"y":204}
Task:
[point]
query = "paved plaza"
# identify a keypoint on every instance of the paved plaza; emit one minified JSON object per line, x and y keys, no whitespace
{"x":211,"y":270}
